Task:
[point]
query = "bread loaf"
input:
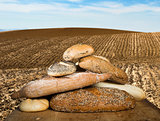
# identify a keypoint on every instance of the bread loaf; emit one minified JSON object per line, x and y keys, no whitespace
{"x":34,"y":105}
{"x":50,"y":85}
{"x":61,"y":69}
{"x":96,"y":99}
{"x":100,"y":65}
{"x":136,"y":92}
{"x":77,"y":51}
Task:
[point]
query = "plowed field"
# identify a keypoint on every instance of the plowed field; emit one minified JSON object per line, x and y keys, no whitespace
{"x":25,"y":56}
{"x":27,"y":52}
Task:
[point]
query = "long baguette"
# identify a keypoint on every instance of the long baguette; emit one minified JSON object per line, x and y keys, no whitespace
{"x":136,"y":92}
{"x":50,"y":85}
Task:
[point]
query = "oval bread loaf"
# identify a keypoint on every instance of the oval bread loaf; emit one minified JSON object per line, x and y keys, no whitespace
{"x":34,"y":105}
{"x":77,"y":51}
{"x":100,"y":65}
{"x":136,"y":92}
{"x":61,"y":69}
{"x":101,"y":57}
{"x":96,"y":99}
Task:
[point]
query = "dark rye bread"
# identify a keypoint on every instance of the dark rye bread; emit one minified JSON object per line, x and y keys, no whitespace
{"x":95,"y":99}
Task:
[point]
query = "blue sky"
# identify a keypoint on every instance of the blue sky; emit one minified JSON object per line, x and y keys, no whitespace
{"x":138,"y":15}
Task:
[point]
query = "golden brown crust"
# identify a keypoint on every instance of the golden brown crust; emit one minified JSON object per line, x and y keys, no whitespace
{"x":77,"y":51}
{"x":34,"y":105}
{"x":96,"y":99}
{"x":51,"y":85}
{"x":99,"y":65}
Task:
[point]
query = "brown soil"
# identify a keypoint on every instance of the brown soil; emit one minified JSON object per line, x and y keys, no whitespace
{"x":25,"y":55}
{"x":26,"y":51}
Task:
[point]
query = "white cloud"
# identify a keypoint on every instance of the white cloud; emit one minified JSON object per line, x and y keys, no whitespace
{"x":107,"y":7}
{"x":115,"y":15}
{"x":32,"y":7}
{"x":120,"y":8}
{"x":108,"y":4}
{"x":6,"y":1}
{"x":75,"y":0}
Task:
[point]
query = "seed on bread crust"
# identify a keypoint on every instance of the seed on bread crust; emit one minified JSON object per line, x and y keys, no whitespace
{"x":61,"y":69}
{"x":96,"y":99}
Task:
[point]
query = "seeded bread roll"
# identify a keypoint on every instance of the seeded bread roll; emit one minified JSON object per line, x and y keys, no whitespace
{"x":96,"y":99}
{"x":61,"y":69}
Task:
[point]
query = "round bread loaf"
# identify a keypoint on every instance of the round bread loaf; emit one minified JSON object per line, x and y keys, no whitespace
{"x":96,"y":99}
{"x":100,"y":65}
{"x":34,"y":105}
{"x":61,"y":69}
{"x":77,"y":51}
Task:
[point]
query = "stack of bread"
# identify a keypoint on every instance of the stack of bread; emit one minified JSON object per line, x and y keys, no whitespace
{"x":79,"y":84}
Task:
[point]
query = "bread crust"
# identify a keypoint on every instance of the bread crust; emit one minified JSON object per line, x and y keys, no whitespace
{"x":61,"y":69}
{"x":34,"y":105}
{"x":99,"y":65}
{"x":77,"y":51}
{"x":51,"y":85}
{"x":95,"y":99}
{"x":136,"y":92}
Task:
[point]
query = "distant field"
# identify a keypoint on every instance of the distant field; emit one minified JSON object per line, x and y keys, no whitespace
{"x":40,"y":48}
{"x":49,"y":33}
